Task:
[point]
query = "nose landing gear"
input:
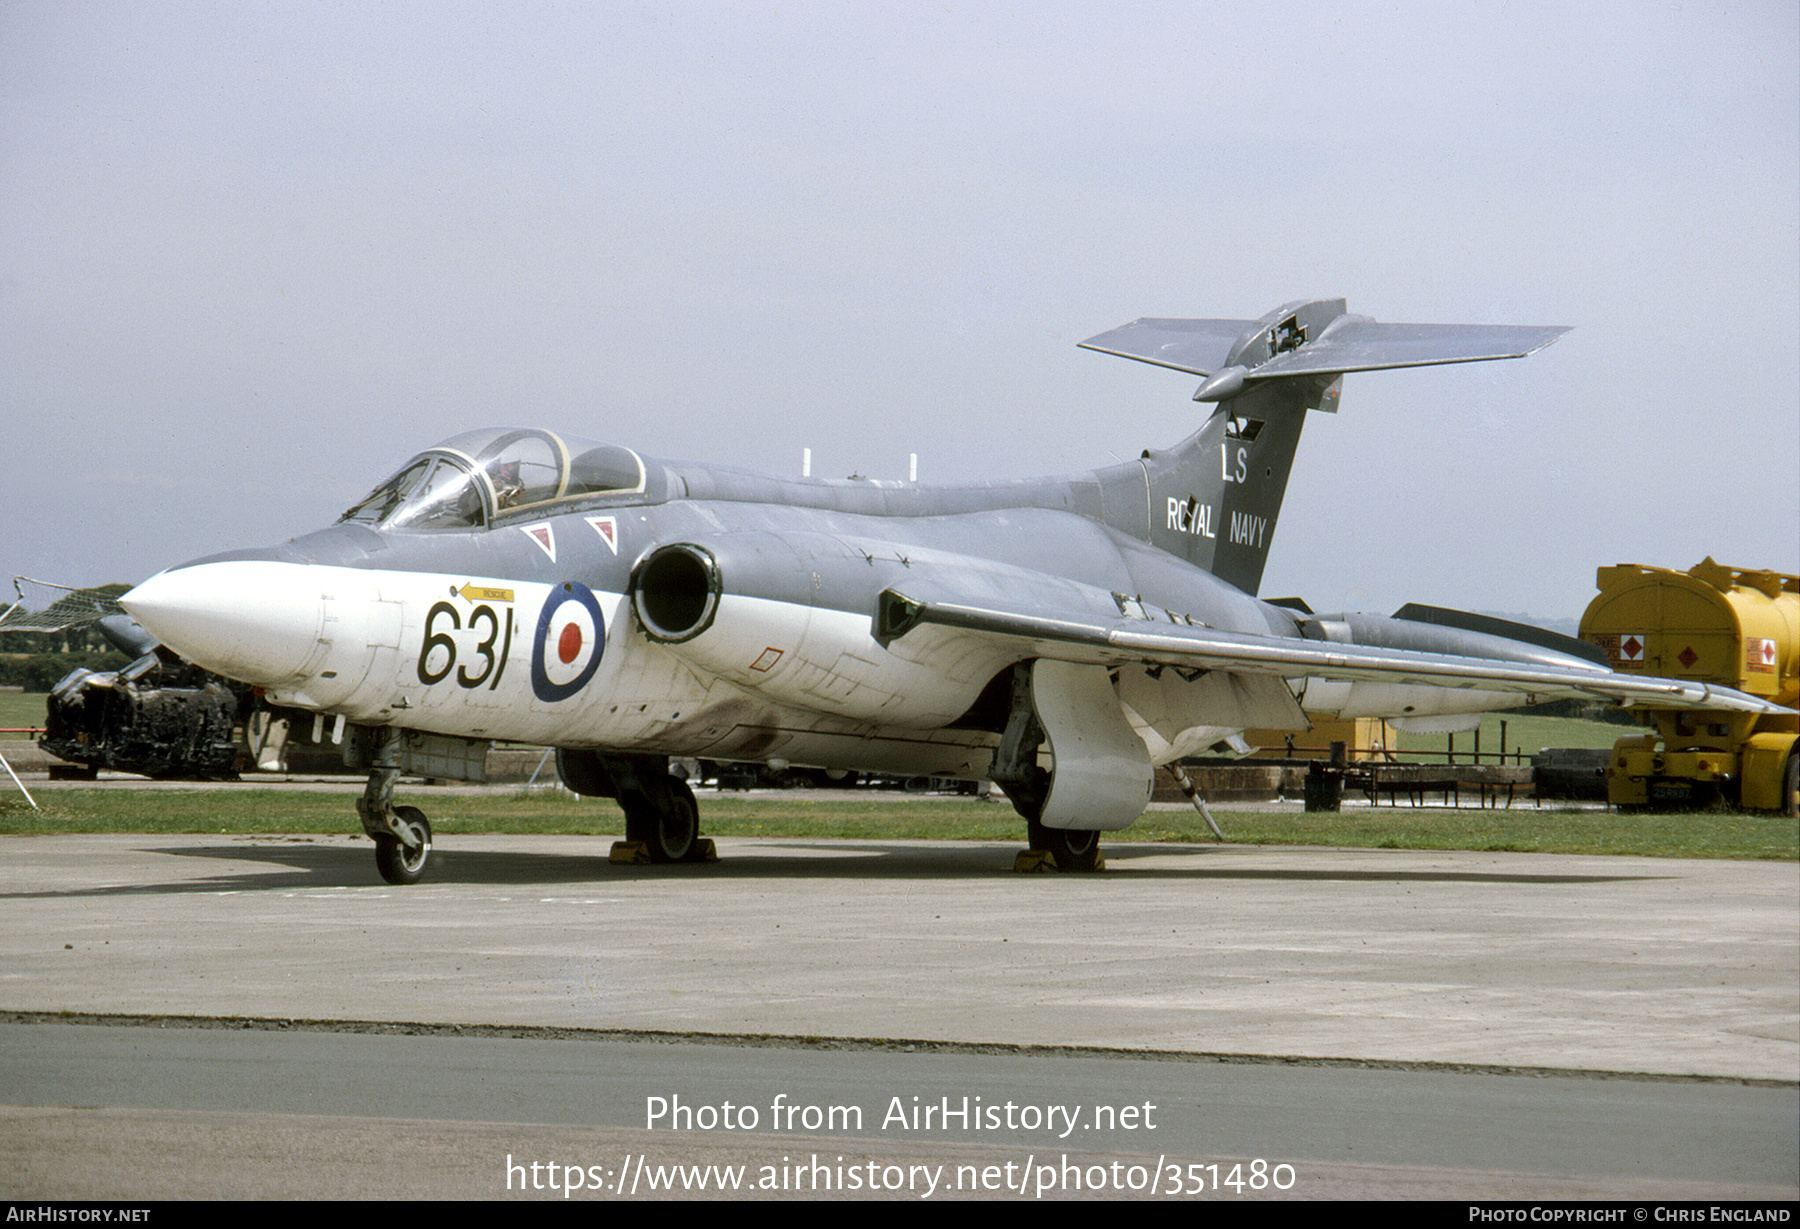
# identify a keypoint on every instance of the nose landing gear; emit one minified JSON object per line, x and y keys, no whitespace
{"x":402,"y":835}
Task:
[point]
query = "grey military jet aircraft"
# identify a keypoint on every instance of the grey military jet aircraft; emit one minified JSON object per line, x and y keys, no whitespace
{"x":1060,"y":636}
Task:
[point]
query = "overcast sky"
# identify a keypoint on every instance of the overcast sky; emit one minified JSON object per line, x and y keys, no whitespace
{"x":253,"y":256}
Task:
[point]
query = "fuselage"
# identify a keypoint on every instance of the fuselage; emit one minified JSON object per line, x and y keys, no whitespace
{"x":515,"y":584}
{"x":519,"y":623}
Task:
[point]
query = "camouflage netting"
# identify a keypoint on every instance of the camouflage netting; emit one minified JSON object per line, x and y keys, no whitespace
{"x":57,"y":606}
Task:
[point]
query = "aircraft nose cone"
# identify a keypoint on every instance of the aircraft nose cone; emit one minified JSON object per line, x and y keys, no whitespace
{"x":251,"y":620}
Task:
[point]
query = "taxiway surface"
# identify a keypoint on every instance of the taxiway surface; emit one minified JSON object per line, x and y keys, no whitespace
{"x":1551,"y":966}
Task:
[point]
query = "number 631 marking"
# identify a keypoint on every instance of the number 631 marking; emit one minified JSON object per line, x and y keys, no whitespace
{"x":493,"y":664}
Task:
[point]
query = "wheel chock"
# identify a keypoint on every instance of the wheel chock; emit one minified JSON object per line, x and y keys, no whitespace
{"x":629,"y":853}
{"x":637,"y":853}
{"x":1043,"y":862}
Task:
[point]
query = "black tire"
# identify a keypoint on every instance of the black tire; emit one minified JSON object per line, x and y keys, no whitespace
{"x":399,"y":863}
{"x":672,"y":834}
{"x":1790,"y":785}
{"x":1075,"y":849}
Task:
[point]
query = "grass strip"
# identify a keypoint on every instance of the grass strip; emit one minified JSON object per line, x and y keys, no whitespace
{"x":247,"y":810}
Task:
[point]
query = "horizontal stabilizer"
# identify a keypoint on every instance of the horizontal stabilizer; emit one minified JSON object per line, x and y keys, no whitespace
{"x":1356,"y":343}
{"x":1314,"y":339}
{"x":1197,"y":346}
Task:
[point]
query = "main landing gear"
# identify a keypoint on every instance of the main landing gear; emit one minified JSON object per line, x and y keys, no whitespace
{"x":1070,"y":849}
{"x":1027,"y":786}
{"x":662,"y":819}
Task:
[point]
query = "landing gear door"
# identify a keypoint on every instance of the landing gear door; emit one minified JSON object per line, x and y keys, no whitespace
{"x":1103,"y":774}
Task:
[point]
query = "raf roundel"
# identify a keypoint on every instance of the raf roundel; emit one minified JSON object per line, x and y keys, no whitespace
{"x":571,"y":636}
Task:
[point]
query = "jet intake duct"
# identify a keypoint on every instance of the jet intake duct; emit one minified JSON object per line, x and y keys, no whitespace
{"x":675,"y":592}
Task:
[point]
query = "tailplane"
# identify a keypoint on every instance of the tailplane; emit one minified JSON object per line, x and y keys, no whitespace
{"x":1215,"y":497}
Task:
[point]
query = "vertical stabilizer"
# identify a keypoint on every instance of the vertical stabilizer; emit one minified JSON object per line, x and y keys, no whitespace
{"x":1215,"y":497}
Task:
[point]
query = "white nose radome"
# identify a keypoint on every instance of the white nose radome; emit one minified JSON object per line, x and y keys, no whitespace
{"x":256,"y":621}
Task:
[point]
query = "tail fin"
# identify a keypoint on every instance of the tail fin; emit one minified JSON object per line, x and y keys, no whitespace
{"x":1215,"y":497}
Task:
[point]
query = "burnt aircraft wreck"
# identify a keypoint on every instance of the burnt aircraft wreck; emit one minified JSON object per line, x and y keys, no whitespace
{"x":159,"y":716}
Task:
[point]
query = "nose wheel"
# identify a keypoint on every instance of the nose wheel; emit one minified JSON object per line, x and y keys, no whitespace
{"x":403,"y":861}
{"x":402,"y":835}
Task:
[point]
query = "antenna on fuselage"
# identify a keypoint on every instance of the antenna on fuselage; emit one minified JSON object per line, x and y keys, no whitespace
{"x":806,"y":462}
{"x":914,"y":471}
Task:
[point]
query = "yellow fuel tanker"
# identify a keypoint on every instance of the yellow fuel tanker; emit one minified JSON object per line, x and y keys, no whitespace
{"x":1736,"y":627}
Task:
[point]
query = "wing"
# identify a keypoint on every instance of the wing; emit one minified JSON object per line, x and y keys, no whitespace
{"x":1161,"y":637}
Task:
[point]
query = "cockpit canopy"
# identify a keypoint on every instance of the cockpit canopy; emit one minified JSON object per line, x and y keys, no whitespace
{"x":468,"y":481}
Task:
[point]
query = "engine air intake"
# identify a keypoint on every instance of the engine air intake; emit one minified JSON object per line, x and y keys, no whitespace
{"x":675,"y":592}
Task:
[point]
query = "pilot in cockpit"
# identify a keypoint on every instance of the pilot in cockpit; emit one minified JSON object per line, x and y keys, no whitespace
{"x":509,"y":487}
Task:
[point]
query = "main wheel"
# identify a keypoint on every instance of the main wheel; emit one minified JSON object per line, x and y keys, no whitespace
{"x":670,"y":832}
{"x":398,"y":862}
{"x":1075,"y":849}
